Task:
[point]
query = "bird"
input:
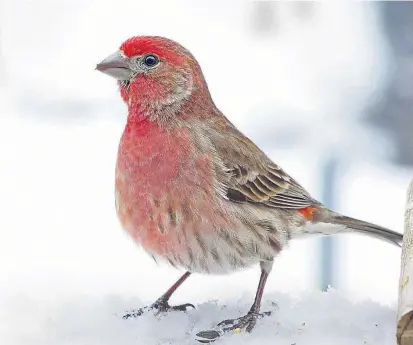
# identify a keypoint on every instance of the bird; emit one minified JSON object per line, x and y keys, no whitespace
{"x":191,"y":189}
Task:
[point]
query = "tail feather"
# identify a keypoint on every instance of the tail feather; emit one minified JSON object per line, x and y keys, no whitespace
{"x":369,"y":229}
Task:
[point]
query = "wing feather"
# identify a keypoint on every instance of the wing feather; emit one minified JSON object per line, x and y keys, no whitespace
{"x":253,"y":176}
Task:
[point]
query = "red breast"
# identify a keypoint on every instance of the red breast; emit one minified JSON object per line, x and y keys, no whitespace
{"x":163,"y":188}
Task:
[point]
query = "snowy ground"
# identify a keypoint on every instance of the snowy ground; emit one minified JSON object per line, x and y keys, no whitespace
{"x":315,"y":318}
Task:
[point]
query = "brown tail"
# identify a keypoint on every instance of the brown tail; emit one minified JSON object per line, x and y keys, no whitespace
{"x":366,"y":228}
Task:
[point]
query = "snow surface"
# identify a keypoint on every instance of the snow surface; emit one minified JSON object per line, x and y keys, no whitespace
{"x":313,"y":319}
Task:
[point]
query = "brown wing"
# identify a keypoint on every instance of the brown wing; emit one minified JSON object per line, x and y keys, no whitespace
{"x":271,"y":187}
{"x":254,"y":178}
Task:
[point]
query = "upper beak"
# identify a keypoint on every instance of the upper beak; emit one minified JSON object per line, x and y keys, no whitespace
{"x":116,"y":65}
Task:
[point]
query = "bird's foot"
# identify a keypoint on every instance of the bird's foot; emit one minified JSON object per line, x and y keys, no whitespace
{"x":160,"y":306}
{"x":246,"y":322}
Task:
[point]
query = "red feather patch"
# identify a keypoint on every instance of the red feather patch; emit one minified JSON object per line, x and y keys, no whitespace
{"x":307,"y":212}
{"x":165,"y":49}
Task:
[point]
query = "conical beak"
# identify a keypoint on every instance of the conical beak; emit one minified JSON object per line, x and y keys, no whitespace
{"x":116,"y":65}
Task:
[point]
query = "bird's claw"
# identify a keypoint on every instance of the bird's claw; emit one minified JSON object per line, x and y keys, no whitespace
{"x":160,"y":306}
{"x":246,"y":322}
{"x":181,"y":307}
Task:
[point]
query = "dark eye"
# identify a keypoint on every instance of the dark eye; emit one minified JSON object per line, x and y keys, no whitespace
{"x":151,"y":60}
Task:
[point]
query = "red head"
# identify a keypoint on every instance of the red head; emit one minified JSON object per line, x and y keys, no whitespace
{"x":156,"y":75}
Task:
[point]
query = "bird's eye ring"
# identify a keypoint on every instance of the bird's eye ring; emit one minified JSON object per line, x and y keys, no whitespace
{"x":150,"y":60}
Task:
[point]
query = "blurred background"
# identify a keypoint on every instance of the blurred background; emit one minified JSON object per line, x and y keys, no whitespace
{"x":326,"y":89}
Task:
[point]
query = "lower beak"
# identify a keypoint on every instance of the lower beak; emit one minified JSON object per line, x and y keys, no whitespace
{"x":116,"y":65}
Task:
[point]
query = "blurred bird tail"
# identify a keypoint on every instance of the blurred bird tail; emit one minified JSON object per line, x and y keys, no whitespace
{"x":366,"y":228}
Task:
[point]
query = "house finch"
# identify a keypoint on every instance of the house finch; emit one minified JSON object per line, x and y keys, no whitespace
{"x":192,"y":189}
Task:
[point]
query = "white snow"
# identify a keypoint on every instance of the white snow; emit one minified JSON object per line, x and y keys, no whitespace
{"x":409,"y":206}
{"x":313,"y":319}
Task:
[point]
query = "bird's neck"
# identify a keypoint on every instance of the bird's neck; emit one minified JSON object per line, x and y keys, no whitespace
{"x":146,"y":133}
{"x":165,"y":114}
{"x":138,"y":116}
{"x":137,"y":125}
{"x":151,"y":152}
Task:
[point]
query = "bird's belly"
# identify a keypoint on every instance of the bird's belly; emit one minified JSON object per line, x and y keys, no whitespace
{"x":188,"y":232}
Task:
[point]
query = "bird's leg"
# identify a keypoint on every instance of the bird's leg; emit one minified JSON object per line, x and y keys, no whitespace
{"x":162,"y":303}
{"x":246,"y":322}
